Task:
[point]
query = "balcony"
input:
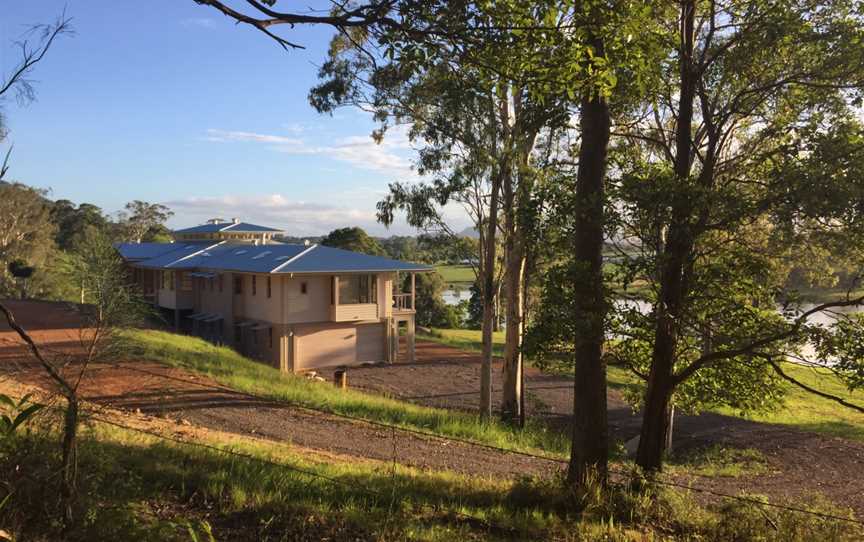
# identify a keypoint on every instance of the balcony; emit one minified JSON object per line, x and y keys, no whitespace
{"x":354,"y":312}
{"x":403,"y":303}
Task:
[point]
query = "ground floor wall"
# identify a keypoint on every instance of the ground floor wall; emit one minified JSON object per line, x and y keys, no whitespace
{"x":309,"y":346}
{"x":328,"y":344}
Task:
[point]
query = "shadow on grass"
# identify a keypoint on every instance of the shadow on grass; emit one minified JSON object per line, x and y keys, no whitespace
{"x":145,"y":489}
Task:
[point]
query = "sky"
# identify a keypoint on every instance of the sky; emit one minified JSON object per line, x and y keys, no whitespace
{"x":168,"y":101}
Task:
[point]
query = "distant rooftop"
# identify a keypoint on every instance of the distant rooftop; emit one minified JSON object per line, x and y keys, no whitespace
{"x":234,"y":226}
{"x":283,"y":258}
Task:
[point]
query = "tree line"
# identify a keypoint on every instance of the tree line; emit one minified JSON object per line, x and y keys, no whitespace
{"x":653,"y":171}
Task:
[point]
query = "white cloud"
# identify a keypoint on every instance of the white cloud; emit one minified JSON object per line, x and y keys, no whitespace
{"x":201,"y":22}
{"x":359,"y":151}
{"x":222,"y":136}
{"x":297,"y":218}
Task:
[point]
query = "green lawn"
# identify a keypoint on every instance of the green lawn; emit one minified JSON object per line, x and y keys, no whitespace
{"x":139,"y":487}
{"x":136,"y":486}
{"x":230,"y":368}
{"x":456,"y":273}
{"x":800,"y":409}
{"x":809,"y":412}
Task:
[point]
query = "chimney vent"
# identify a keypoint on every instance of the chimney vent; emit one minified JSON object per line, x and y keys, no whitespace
{"x":235,"y":220}
{"x":306,"y":242}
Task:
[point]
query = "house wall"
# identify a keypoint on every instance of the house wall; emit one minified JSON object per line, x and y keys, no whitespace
{"x":301,"y":334}
{"x":258,"y":306}
{"x":177,"y":297}
{"x":212,"y":301}
{"x":328,"y":344}
{"x":385,"y":294}
{"x":314,"y":305}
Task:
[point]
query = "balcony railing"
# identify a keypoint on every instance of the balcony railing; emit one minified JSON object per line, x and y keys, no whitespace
{"x":402,"y":303}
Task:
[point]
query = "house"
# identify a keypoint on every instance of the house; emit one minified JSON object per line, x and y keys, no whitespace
{"x":297,"y":307}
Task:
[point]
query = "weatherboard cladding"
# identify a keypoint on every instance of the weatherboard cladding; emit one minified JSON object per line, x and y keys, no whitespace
{"x":269,"y":259}
{"x":238,"y":227}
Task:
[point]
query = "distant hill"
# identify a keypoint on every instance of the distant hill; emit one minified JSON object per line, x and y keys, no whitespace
{"x":471,"y":232}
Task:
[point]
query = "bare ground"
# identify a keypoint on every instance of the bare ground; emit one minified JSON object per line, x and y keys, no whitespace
{"x":151,"y":388}
{"x":799,"y":463}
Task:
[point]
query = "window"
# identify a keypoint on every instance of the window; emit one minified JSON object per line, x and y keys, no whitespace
{"x":238,"y":334}
{"x":354,"y":289}
{"x":171,"y":280}
{"x":269,"y":291}
{"x":303,"y":288}
{"x":270,"y":337}
{"x":185,"y":282}
{"x":211,"y":281}
{"x":254,"y":285}
{"x":254,"y":336}
{"x":220,"y":283}
{"x":238,"y":284}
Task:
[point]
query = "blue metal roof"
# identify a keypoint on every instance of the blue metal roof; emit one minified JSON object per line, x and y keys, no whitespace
{"x":238,"y":227}
{"x":247,"y":258}
{"x":146,"y":251}
{"x":321,"y":259}
{"x":178,"y":259}
{"x":281,"y":258}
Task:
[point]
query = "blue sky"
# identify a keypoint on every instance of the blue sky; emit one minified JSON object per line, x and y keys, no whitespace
{"x":169,"y":101}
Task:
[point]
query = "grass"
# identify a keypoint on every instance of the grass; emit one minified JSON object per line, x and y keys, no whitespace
{"x":469,"y":340}
{"x":139,"y":487}
{"x":229,"y":368}
{"x":806,"y":411}
{"x":800,"y":409}
{"x":719,"y":461}
{"x":456,"y":273}
{"x":824,"y":295}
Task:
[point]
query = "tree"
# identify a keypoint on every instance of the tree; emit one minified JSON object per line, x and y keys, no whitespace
{"x":18,"y":81}
{"x":26,"y":230}
{"x":354,"y":239}
{"x":432,"y":311}
{"x":143,"y":221}
{"x":714,"y":197}
{"x":72,"y":221}
{"x":21,"y":271}
{"x":115,"y":304}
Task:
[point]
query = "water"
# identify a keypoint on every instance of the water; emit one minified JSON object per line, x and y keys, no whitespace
{"x":455,"y":295}
{"x":823,"y":319}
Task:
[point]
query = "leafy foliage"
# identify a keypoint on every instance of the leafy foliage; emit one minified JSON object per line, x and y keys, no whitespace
{"x":17,"y":412}
{"x":354,"y":239}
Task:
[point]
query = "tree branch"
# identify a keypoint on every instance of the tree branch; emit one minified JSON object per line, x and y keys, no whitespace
{"x":805,"y":387}
{"x":69,"y":392}
{"x":718,"y":355}
{"x":31,"y":57}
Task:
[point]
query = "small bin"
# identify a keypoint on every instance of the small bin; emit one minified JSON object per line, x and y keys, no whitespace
{"x":340,"y":378}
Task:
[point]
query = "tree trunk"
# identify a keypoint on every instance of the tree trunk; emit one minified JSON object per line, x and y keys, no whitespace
{"x":69,"y":466}
{"x":489,"y":301}
{"x":512,"y":369}
{"x":590,"y":445}
{"x":676,"y":254}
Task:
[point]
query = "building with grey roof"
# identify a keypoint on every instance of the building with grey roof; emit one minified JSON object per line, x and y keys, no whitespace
{"x":297,"y":307}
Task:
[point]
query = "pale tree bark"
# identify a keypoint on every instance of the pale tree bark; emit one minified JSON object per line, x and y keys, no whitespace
{"x":500,"y":176}
{"x":488,"y":291}
{"x":516,"y":202}
{"x":511,"y":405}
